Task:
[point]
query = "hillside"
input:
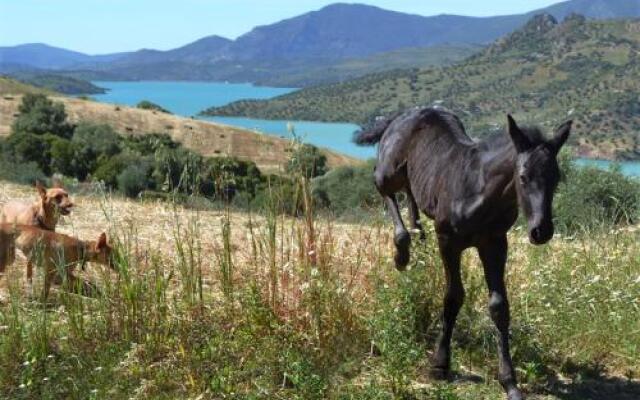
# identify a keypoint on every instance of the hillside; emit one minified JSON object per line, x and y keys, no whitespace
{"x":44,"y":56}
{"x":10,"y":87}
{"x":544,"y":73}
{"x":58,"y":83}
{"x":209,"y":139}
{"x":338,"y":42}
{"x":281,"y":73}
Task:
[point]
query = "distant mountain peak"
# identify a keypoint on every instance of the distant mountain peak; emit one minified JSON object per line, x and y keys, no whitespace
{"x":575,"y":18}
{"x":540,"y":23}
{"x":347,"y":6}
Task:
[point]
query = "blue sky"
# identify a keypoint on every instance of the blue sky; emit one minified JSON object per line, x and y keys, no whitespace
{"x":104,"y":26}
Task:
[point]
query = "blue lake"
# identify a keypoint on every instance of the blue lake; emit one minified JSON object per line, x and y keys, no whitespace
{"x":189,"y":98}
{"x":629,"y":168}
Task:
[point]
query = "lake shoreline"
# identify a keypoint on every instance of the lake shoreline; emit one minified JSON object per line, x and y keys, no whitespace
{"x":190,"y":98}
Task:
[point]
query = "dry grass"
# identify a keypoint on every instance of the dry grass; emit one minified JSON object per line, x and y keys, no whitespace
{"x":154,"y":223}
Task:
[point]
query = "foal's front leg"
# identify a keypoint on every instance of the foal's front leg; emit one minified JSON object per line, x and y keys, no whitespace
{"x":401,"y":238}
{"x":414,"y":214}
{"x":450,"y":251}
{"x":493,"y":254}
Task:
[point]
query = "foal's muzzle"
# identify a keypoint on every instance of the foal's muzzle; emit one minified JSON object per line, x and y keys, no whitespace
{"x":541,"y":234}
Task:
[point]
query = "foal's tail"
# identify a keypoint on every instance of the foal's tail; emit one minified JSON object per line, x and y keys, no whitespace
{"x":372,"y":134}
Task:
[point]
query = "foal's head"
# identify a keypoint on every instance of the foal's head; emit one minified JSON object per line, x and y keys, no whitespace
{"x":537,"y":176}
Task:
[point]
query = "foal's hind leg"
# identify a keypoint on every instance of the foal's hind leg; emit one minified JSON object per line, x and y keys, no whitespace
{"x":414,"y":214}
{"x":388,"y":183}
{"x":401,"y":238}
{"x":493,"y":254}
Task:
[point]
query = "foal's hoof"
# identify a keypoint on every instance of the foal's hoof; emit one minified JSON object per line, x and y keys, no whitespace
{"x":514,"y":394}
{"x":402,"y":257}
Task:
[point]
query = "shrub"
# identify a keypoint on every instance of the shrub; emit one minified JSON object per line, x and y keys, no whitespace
{"x":225,"y":176}
{"x":133,"y":180}
{"x":108,"y":169}
{"x":307,"y":160}
{"x":27,"y":147}
{"x":25,"y":173}
{"x":148,"y":105}
{"x":150,"y":143}
{"x":62,"y":156}
{"x":39,"y":116}
{"x":590,"y":198}
{"x":346,"y":188}
{"x":100,"y":138}
{"x":278,"y":195}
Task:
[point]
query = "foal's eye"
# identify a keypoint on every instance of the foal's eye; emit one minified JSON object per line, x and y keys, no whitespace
{"x":524,"y":180}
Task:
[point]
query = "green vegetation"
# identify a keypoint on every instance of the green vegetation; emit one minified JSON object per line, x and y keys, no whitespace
{"x":346,"y":190}
{"x":9,"y":86}
{"x":592,"y":199}
{"x":259,"y":305}
{"x":309,"y":160}
{"x":44,"y":143}
{"x":148,"y":105}
{"x":59,"y":83}
{"x":545,"y":73}
{"x":317,"y":72}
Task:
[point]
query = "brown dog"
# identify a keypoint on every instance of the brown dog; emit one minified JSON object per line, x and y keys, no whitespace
{"x":44,"y":213}
{"x":55,"y":251}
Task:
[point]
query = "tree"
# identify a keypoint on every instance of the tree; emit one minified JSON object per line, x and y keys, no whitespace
{"x":28,"y":147}
{"x":100,"y":138}
{"x":133,"y":180}
{"x":147,"y":105}
{"x":307,"y":160}
{"x":38,"y":115}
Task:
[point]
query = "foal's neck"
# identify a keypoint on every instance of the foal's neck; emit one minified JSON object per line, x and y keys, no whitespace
{"x":498,"y":159}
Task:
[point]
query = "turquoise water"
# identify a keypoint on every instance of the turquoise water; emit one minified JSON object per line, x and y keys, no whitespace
{"x":629,"y":168}
{"x":189,"y":98}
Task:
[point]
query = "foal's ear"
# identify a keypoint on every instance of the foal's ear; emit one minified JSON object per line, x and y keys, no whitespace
{"x":561,"y":135}
{"x":519,"y":139}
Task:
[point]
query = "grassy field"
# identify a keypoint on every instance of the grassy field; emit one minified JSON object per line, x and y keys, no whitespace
{"x":218,"y":304}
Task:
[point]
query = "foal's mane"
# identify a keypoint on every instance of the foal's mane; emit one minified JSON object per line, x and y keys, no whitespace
{"x":499,"y":140}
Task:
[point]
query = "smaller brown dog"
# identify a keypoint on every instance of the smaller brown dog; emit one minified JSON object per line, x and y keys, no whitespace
{"x":55,"y":251}
{"x":44,"y":213}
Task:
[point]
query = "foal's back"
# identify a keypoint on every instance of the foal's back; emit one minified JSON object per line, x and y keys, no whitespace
{"x":426,"y":131}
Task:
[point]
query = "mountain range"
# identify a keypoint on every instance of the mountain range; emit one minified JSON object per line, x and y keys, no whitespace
{"x":544,"y":73}
{"x":325,"y":41}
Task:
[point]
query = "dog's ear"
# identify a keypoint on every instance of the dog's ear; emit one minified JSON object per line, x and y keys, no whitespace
{"x":102,"y":242}
{"x":42,"y":191}
{"x":57,"y":183}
